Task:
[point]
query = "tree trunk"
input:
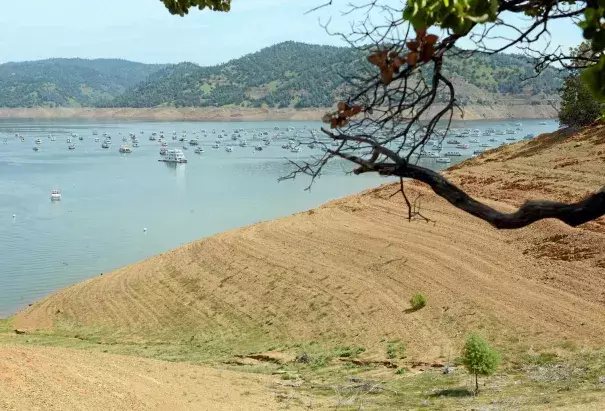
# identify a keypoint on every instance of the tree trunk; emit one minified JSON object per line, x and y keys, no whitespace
{"x":476,"y":384}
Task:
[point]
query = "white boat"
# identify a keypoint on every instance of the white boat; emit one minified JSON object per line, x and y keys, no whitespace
{"x":55,"y":195}
{"x":463,"y":146}
{"x":94,"y":133}
{"x":163,"y":151}
{"x":193,"y":142}
{"x":473,"y":140}
{"x":135,"y":140}
{"x":68,"y":141}
{"x":152,"y":138}
{"x":510,"y":131}
{"x":105,"y":144}
{"x":216,"y":145}
{"x":52,"y":138}
{"x":243,"y":143}
{"x":542,"y":123}
{"x":453,"y":141}
{"x":258,"y":148}
{"x":135,"y":144}
{"x":444,"y":160}
{"x":71,"y":147}
{"x":125,"y":149}
{"x":199,"y":150}
{"x":295,"y":150}
{"x":124,"y":139}
{"x":174,"y":156}
{"x":229,"y":149}
{"x":511,"y":138}
{"x":453,"y":154}
{"x":35,"y":148}
{"x":185,"y":148}
{"x":38,"y":141}
{"x":493,"y":140}
{"x":81,"y":138}
{"x":164,"y":144}
{"x":96,"y":139}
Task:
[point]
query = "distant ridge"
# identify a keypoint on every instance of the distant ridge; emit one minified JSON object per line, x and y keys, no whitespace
{"x":285,"y":75}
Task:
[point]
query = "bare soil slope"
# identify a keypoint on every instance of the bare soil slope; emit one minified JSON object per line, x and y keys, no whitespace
{"x":512,"y":109}
{"x":63,"y":379}
{"x":343,"y":273}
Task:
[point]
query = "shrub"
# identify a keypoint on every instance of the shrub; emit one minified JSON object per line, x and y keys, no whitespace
{"x":346,"y":352}
{"x":418,"y":301}
{"x":395,"y":350}
{"x":479,"y":358}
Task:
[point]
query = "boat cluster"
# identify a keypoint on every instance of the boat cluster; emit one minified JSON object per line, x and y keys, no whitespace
{"x":463,"y":139}
{"x":442,"y":146}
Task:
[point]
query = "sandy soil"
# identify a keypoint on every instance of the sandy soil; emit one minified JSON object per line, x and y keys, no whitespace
{"x":240,"y":114}
{"x":63,"y":379}
{"x":344,"y":272}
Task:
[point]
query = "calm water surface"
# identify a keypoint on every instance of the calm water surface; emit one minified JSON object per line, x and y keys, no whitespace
{"x":108,"y":198}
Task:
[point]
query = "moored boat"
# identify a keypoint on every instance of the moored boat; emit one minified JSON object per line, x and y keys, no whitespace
{"x":174,"y":156}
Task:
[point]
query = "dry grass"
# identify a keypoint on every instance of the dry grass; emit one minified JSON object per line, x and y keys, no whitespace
{"x":63,"y":379}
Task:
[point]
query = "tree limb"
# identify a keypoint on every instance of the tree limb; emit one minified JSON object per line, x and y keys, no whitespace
{"x":573,"y":214}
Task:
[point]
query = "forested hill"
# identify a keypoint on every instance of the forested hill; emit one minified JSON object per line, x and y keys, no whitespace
{"x":288,"y":74}
{"x":301,"y":75}
{"x":69,"y":82}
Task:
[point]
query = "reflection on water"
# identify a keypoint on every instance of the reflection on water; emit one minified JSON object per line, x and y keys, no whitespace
{"x":108,"y":198}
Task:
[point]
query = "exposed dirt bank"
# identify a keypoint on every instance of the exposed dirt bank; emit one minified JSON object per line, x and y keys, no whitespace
{"x":240,"y":114}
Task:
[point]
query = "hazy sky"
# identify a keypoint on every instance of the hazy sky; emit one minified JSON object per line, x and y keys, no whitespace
{"x":143,"y":30}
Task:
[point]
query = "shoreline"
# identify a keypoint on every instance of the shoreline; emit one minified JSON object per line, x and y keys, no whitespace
{"x":229,"y":114}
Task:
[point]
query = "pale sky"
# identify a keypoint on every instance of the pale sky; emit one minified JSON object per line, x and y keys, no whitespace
{"x":143,"y":30}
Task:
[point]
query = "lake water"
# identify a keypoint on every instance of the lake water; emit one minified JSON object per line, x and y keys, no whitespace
{"x":108,"y":198}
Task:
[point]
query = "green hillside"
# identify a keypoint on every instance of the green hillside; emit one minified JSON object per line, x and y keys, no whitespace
{"x":301,"y":75}
{"x":68,"y":82}
{"x":288,"y":74}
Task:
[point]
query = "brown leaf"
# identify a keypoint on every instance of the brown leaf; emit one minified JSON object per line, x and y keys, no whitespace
{"x":412,"y":59}
{"x":334,"y":122}
{"x":430,"y":39}
{"x":379,"y":58}
{"x":342,"y":106}
{"x":386,"y":76}
{"x":397,"y":62}
{"x":356,"y":110}
{"x":326,"y":118}
{"x":393,"y":54}
{"x":427,"y":53}
{"x":412,"y":45}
